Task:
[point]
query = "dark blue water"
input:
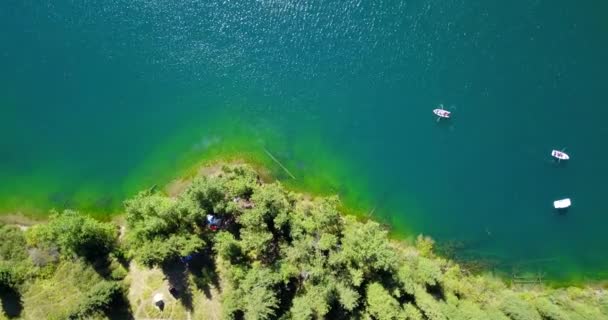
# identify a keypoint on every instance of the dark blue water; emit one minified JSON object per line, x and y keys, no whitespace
{"x":102,"y":99}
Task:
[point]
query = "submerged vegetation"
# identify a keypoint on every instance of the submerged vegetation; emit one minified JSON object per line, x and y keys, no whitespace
{"x":269,"y":252}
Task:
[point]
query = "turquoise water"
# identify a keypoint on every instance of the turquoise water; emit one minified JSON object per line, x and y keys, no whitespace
{"x":102,"y":99}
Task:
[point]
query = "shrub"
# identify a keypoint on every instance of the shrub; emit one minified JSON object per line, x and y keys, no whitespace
{"x":97,"y":299}
{"x":12,"y":244}
{"x":548,"y":310}
{"x":159,"y":230}
{"x":517,"y":309}
{"x":74,"y":233}
{"x":381,"y":305}
{"x":7,"y":280}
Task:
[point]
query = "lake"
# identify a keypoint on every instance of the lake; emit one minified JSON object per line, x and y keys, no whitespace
{"x":100,"y":99}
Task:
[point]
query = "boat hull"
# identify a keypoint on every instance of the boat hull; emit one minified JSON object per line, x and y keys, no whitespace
{"x":442,"y":113}
{"x":562,"y":204}
{"x":560,"y":155}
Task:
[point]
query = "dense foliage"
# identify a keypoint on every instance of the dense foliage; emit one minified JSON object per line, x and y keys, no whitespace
{"x":97,"y":299}
{"x":14,"y":262}
{"x":74,"y":234}
{"x":287,"y":256}
{"x":53,"y":270}
{"x":161,"y":229}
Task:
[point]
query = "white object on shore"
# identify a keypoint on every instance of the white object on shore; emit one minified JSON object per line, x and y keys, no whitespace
{"x":560,"y":155}
{"x":213,"y":220}
{"x":159,"y":300}
{"x":562,"y":204}
{"x":441,"y":113}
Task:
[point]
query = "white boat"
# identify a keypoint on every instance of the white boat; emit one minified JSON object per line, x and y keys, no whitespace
{"x":562,"y":204}
{"x":560,"y":155}
{"x":441,"y":113}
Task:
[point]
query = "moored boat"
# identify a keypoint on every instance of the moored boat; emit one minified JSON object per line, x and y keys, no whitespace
{"x":560,"y":155}
{"x":442,"y":113}
{"x":562,"y":204}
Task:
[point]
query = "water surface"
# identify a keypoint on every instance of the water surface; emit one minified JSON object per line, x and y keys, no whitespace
{"x":102,"y":99}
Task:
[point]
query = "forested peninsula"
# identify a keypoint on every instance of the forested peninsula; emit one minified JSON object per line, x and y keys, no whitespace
{"x":230,"y":246}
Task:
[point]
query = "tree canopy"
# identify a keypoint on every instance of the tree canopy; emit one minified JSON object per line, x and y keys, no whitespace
{"x":284,"y":255}
{"x":161,"y":229}
{"x":74,"y":233}
{"x":15,"y":265}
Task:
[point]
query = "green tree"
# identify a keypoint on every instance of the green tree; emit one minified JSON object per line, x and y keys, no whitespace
{"x":271,"y":202}
{"x":517,"y":309}
{"x":347,"y":296}
{"x":157,"y":251}
{"x":12,"y":244}
{"x":411,"y":312}
{"x":261,"y":303}
{"x":381,"y":305}
{"x":548,"y":310}
{"x":255,"y":293}
{"x":226,"y":246}
{"x":301,"y":308}
{"x":431,"y":308}
{"x":15,"y":266}
{"x":312,"y":302}
{"x":204,"y":196}
{"x":98,"y":299}
{"x":159,"y":229}
{"x":407,"y":277}
{"x":365,"y":250}
{"x":7,"y":279}
{"x":317,"y":217}
{"x":427,"y":271}
{"x":74,"y":233}
{"x":425,"y":246}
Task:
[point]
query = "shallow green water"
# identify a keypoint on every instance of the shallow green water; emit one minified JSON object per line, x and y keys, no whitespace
{"x":101,"y":100}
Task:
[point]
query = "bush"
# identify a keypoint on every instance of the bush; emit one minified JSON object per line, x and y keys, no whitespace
{"x":74,"y":233}
{"x":12,"y":244}
{"x":548,"y":310}
{"x":15,"y":266}
{"x":159,"y":230}
{"x":7,"y":280}
{"x":98,"y":299}
{"x":381,"y":305}
{"x":429,"y":306}
{"x":517,"y":309}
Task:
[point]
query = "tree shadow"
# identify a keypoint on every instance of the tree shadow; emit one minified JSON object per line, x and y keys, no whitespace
{"x":11,"y":302}
{"x":101,"y":265}
{"x":203,"y":268}
{"x":122,"y":259}
{"x":176,"y":274}
{"x":286,"y":295}
{"x":337,"y":312}
{"x":436,"y":291}
{"x":107,"y":265}
{"x":120,"y":309}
